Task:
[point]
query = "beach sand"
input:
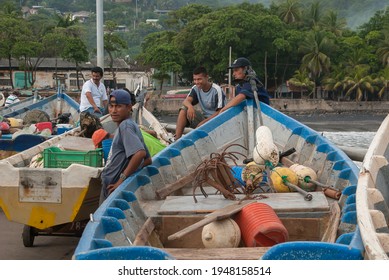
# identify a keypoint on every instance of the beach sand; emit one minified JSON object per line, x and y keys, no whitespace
{"x":332,"y":122}
{"x":355,"y":121}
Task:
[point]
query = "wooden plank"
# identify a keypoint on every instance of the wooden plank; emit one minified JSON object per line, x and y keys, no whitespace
{"x":142,"y":237}
{"x":165,"y":191}
{"x":214,"y":216}
{"x":75,"y":143}
{"x":242,"y":253}
{"x":280,"y":202}
{"x":331,"y":233}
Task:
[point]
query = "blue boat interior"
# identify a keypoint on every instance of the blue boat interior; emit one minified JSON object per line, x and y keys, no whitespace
{"x":113,"y":230}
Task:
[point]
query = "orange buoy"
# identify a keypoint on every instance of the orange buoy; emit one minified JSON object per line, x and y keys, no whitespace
{"x":260,"y":226}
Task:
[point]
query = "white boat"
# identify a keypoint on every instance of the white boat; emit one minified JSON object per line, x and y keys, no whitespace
{"x":18,"y":105}
{"x":49,"y":109}
{"x":372,"y":197}
{"x":56,"y":199}
{"x":140,"y":219}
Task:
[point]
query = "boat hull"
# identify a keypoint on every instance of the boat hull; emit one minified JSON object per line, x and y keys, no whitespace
{"x":53,"y":106}
{"x":45,"y":198}
{"x":132,"y":215}
{"x":372,"y":196}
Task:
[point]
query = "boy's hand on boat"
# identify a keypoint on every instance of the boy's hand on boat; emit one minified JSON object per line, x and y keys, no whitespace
{"x":113,"y":187}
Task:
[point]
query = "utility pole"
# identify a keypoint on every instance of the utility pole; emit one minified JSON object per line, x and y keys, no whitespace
{"x":136,"y":9}
{"x":100,"y":33}
{"x":229,"y":74}
{"x":136,"y":14}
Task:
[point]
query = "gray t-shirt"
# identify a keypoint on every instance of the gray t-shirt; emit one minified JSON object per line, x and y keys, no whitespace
{"x":127,"y":141}
{"x":209,"y":101}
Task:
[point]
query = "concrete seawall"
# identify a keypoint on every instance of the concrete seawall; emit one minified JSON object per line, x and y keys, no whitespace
{"x":171,"y":106}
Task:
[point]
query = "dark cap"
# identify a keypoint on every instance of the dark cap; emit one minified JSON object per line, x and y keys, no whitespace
{"x":121,"y":97}
{"x":240,"y":62}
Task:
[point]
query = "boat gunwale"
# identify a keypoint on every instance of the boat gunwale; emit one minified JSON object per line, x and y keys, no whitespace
{"x":373,"y":161}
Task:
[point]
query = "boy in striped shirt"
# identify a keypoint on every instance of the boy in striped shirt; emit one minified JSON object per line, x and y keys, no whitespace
{"x":12,"y":98}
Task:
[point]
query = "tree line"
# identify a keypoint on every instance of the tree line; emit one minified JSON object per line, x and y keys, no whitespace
{"x":46,"y":34}
{"x":311,"y":49}
{"x":307,"y":45}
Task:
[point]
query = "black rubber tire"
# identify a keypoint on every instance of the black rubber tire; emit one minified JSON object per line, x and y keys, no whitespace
{"x":35,"y":116}
{"x":28,"y":236}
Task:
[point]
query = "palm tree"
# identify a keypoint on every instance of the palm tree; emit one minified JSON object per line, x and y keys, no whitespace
{"x":301,"y":80}
{"x":355,"y":57}
{"x":333,"y":23}
{"x":315,"y":48}
{"x":359,"y":83}
{"x":290,"y":11}
{"x":332,"y":83}
{"x":313,"y":15}
{"x":382,"y":82}
{"x":65,"y":21}
{"x":383,"y":50}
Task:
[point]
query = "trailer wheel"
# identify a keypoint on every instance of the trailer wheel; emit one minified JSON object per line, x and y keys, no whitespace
{"x":28,"y":236}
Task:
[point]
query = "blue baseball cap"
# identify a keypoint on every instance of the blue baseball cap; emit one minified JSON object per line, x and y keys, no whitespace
{"x":121,"y":97}
{"x":240,"y":62}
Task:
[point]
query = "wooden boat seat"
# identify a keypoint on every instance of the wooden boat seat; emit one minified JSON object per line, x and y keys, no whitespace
{"x":242,"y":253}
{"x":280,"y":202}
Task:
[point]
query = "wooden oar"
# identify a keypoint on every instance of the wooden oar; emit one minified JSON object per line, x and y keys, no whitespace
{"x":217,"y":215}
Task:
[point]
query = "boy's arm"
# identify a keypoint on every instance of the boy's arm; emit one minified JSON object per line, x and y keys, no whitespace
{"x":132,"y":166}
{"x":190,"y":114}
{"x":233,"y":102}
{"x":210,"y":117}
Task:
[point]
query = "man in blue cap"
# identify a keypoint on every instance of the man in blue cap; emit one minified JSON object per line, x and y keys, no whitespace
{"x":248,"y":84}
{"x":128,"y":152}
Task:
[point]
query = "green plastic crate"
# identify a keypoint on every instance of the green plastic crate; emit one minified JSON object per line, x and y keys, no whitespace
{"x":54,"y":157}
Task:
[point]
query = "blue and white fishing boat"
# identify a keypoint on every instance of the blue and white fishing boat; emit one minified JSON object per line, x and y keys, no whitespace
{"x":140,"y":219}
{"x":52,"y":191}
{"x":372,"y":196}
{"x":19,"y":105}
{"x":51,"y":107}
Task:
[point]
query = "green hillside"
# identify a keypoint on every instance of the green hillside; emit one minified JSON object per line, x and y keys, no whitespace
{"x":356,"y":12}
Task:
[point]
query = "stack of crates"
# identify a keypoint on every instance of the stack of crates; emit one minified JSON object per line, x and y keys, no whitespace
{"x":54,"y":157}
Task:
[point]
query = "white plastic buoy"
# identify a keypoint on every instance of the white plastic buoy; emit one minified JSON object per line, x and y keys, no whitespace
{"x":265,"y":149}
{"x":302,"y":173}
{"x":221,"y":234}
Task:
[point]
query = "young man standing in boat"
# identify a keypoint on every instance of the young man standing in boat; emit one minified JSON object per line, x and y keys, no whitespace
{"x":248,"y":83}
{"x":208,"y":95}
{"x":128,"y":152}
{"x":94,"y":95}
